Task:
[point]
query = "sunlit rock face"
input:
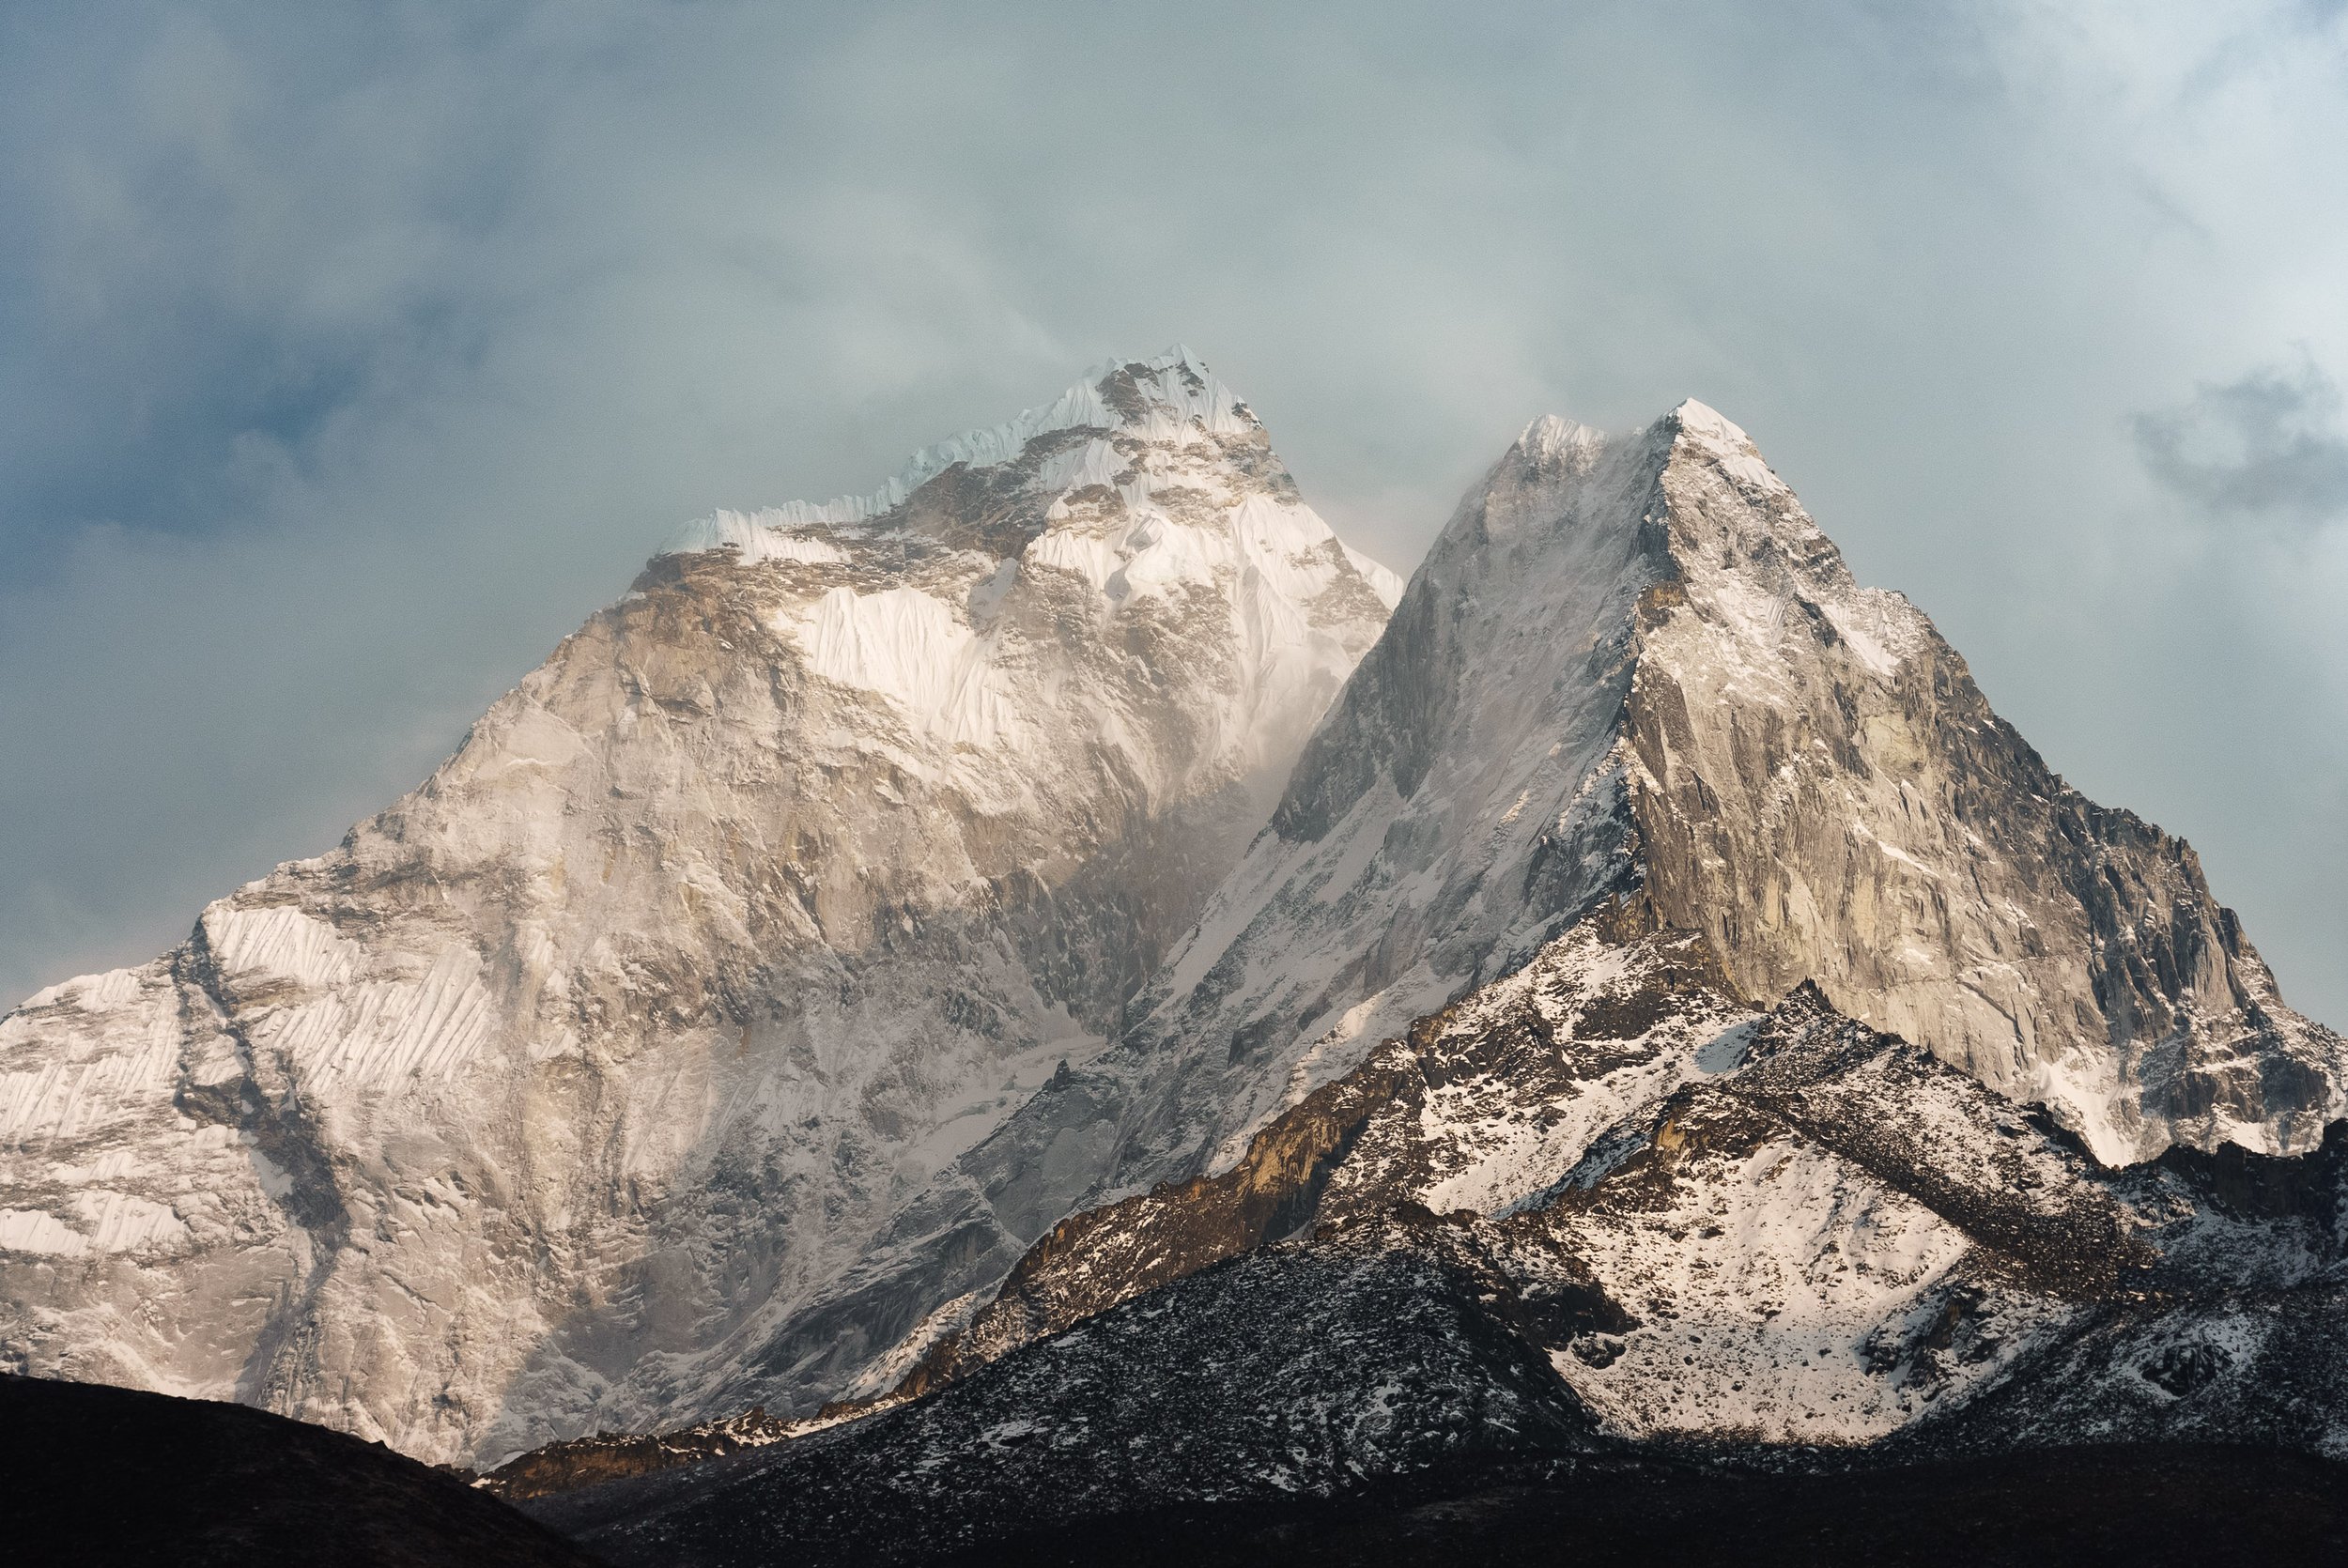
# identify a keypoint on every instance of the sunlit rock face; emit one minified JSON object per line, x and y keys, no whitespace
{"x":567,"y":1092}
{"x":1634,"y":666}
{"x":1821,"y":789}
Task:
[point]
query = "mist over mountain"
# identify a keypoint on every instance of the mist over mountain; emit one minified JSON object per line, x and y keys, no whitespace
{"x":1058,"y":992}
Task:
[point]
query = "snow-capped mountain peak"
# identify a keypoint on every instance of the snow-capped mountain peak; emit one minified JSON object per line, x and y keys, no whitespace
{"x":572,"y":1090}
{"x":1564,"y":982}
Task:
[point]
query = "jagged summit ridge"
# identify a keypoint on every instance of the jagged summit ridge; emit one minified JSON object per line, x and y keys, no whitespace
{"x":1166,"y":391}
{"x":1152,"y":482}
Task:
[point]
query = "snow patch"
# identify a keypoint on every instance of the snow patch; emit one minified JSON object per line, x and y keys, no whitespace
{"x":42,"y":1235}
{"x":767,"y":535}
{"x":278,"y":943}
{"x":914,"y":651}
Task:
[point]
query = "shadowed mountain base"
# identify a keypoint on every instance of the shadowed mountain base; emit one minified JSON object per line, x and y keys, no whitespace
{"x":2141,"y":1506}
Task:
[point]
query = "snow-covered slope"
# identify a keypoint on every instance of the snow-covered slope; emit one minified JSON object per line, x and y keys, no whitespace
{"x":567,"y":1093}
{"x":1691,"y":1233}
{"x":1601,"y":1211}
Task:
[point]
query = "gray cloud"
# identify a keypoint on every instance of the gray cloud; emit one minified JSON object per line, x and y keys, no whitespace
{"x":2267,"y":445}
{"x":350,"y":355}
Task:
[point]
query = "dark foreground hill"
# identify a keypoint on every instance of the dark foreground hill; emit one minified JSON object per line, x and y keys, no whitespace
{"x":2130,"y":1506}
{"x":108,"y":1478}
{"x":2140,"y":1507}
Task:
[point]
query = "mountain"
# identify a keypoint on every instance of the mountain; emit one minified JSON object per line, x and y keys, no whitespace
{"x":935,"y":1023}
{"x":1822,"y":1256}
{"x":576,"y":1088}
{"x":1637,"y":668}
{"x":1669,"y":1019}
{"x":1762,"y":1247}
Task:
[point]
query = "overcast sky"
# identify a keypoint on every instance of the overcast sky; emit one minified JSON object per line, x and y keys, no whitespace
{"x":349,"y":356}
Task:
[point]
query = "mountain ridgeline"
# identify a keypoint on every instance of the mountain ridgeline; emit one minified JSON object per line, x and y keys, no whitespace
{"x":570,"y":1091}
{"x":1079,"y":995}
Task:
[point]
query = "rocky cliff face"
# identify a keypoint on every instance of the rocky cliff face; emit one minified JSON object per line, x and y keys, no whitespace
{"x":1634,"y":666}
{"x":1819,"y":787}
{"x":566,"y":1092}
